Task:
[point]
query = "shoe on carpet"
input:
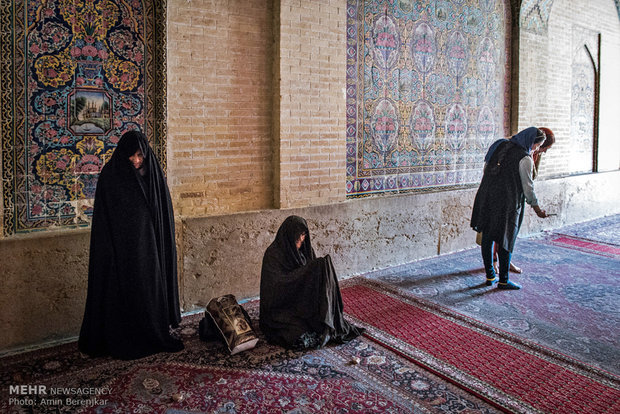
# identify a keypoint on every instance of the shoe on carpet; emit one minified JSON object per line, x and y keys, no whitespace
{"x":508,"y":285}
{"x":491,"y":281}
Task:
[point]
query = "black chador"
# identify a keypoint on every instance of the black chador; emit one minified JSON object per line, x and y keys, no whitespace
{"x":300,"y":302}
{"x":132,"y":276}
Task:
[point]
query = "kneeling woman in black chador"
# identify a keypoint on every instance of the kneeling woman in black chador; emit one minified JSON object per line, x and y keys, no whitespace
{"x":132,"y":276}
{"x":300,"y":302}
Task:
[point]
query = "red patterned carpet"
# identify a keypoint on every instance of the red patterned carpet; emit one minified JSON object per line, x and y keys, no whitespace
{"x":570,"y":301}
{"x":417,"y":356}
{"x":267,"y":379}
{"x":586,"y":245}
{"x":511,"y":373}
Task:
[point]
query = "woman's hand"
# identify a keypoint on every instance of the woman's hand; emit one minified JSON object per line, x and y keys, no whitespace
{"x":539,"y":212}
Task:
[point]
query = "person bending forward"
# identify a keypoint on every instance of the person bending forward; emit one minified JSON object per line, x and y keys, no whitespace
{"x":499,"y":204}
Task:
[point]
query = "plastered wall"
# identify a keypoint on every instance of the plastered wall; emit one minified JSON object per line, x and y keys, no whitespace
{"x":256,"y":132}
{"x":45,"y":278}
{"x":369,"y":234}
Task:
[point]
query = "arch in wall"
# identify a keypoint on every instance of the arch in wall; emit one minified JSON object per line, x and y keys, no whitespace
{"x":575,"y":46}
{"x":585,"y":81}
{"x":75,"y":77}
{"x":534,"y":15}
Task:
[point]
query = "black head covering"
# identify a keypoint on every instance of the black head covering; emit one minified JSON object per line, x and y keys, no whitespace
{"x":286,"y":239}
{"x":129,"y":143}
{"x":127,"y":146}
{"x":526,"y":138}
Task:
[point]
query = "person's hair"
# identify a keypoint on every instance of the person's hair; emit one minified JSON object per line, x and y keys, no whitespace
{"x":550,"y":140}
{"x":540,"y":136}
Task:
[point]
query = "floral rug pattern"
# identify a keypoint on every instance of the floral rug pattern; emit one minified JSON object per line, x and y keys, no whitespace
{"x":358,"y":377}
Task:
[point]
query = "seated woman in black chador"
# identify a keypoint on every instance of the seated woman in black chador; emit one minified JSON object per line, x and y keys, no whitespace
{"x":132,"y":275}
{"x":300,"y":302}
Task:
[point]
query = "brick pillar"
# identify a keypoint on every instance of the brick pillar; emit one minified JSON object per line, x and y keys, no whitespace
{"x":220,"y":57}
{"x":310,"y":123}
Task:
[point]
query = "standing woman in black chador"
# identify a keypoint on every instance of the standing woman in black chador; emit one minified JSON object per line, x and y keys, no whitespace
{"x":499,"y":205}
{"x":300,"y":302}
{"x":132,"y":276}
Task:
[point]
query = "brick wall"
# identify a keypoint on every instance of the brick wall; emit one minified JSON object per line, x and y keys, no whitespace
{"x":545,"y":82}
{"x":311,"y":124}
{"x":220,"y":58}
{"x":221,"y":93}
